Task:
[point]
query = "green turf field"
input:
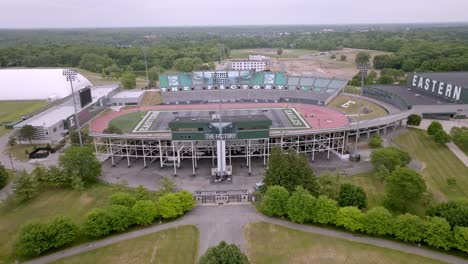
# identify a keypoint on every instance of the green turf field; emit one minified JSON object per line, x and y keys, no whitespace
{"x":175,"y":245}
{"x":440,"y":164}
{"x":269,"y":243}
{"x":128,"y":122}
{"x":14,"y":110}
{"x":351,"y":105}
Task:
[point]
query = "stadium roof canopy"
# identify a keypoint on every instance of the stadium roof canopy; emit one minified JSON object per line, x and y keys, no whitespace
{"x":37,"y":84}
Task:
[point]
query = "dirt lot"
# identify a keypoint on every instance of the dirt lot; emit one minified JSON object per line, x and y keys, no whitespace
{"x":301,"y":62}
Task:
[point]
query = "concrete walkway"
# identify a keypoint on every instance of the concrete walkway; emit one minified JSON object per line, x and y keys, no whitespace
{"x":217,"y":223}
{"x":458,"y":152}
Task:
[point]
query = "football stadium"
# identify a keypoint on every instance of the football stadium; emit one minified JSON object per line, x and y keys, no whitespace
{"x":241,"y":115}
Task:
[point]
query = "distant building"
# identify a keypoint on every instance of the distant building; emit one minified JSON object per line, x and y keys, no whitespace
{"x":259,"y":58}
{"x":249,"y":65}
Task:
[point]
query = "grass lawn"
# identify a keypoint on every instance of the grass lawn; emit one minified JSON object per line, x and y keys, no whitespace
{"x":18,"y":151}
{"x":353,"y":109}
{"x":97,"y":79}
{"x":372,"y":185}
{"x":287,"y":53}
{"x":175,"y":245}
{"x":151,"y":98}
{"x":47,"y":205}
{"x":14,"y":110}
{"x":269,"y":243}
{"x":128,"y":122}
{"x":440,"y":164}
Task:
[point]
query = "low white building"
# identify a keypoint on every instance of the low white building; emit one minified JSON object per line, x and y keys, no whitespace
{"x":248,"y":65}
{"x":132,"y":97}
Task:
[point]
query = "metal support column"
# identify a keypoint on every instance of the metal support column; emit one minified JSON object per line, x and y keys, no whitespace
{"x":128,"y":157}
{"x":193,"y":160}
{"x":143,"y":150}
{"x":313,"y":149}
{"x":160,"y":154}
{"x":111,"y":152}
{"x":174,"y":158}
{"x":249,"y":160}
{"x":329,"y":139}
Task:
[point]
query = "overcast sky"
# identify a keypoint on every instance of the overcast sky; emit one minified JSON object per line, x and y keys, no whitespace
{"x":139,"y":13}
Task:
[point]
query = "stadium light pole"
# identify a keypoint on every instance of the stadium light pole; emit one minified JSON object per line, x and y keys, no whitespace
{"x":71,"y":76}
{"x":146,"y":64}
{"x":363,"y":68}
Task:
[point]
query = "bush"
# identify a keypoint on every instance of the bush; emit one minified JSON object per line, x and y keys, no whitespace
{"x":224,"y":253}
{"x":325,"y":210}
{"x":461,"y":238}
{"x":378,"y":221}
{"x":438,"y":233}
{"x":186,"y":200}
{"x":144,"y":212}
{"x":350,"y":217}
{"x":434,"y":127}
{"x":36,"y":238}
{"x":120,"y":217}
{"x":98,"y":223}
{"x":25,"y":186}
{"x":375,"y":141}
{"x":352,"y":195}
{"x":409,"y":228}
{"x":390,"y":157}
{"x":275,"y":200}
{"x":122,"y":198}
{"x":441,"y":137}
{"x":169,"y":206}
{"x":455,"y":212}
{"x":300,"y":205}
{"x":414,"y":120}
{"x":3,"y":176}
{"x":459,"y":136}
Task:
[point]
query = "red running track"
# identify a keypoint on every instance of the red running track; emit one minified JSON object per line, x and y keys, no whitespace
{"x":318,"y":117}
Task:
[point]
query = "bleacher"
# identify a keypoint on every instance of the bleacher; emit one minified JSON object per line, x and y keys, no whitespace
{"x":246,"y":86}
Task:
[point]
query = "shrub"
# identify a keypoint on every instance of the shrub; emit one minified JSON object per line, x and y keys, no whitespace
{"x":455,"y":212}
{"x":98,"y":223}
{"x":409,"y":228}
{"x":350,"y":217}
{"x":461,"y":238}
{"x":434,"y":127}
{"x":275,"y":201}
{"x":3,"y":176}
{"x":62,"y":231}
{"x":122,"y":198}
{"x":300,"y":205}
{"x":25,"y":186}
{"x":120,"y":217}
{"x":375,"y":141}
{"x":224,"y":253}
{"x":169,"y":206}
{"x":144,"y":212}
{"x":441,"y":137}
{"x":325,"y":210}
{"x":378,"y":221}
{"x":438,"y":233}
{"x":186,"y":200}
{"x":352,"y":195}
{"x":414,"y":120}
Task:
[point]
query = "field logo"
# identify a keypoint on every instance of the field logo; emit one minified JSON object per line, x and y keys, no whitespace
{"x":347,"y":104}
{"x":292,"y":116}
{"x":146,"y":122}
{"x":229,"y":131}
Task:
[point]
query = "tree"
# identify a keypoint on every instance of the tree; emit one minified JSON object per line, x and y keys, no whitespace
{"x":382,"y":172}
{"x":333,"y":56}
{"x":3,"y":176}
{"x":169,"y":206}
{"x":12,"y":141}
{"x":186,"y":200}
{"x":434,"y":127}
{"x":275,"y":200}
{"x":300,"y":205}
{"x":144,"y":212}
{"x":325,"y":210}
{"x":27,"y":131}
{"x":80,"y":164}
{"x":167,"y":185}
{"x":112,"y":129}
{"x":378,"y":221}
{"x":459,"y":136}
{"x":329,"y":184}
{"x":414,"y":120}
{"x":375,"y":141}
{"x":25,"y":187}
{"x":120,"y":217}
{"x":279,"y":52}
{"x":438,"y":233}
{"x":224,"y":253}
{"x":343,"y":58}
{"x":390,"y":157}
{"x":350,"y":217}
{"x":461,"y":238}
{"x":122,"y":198}
{"x":128,"y":80}
{"x":62,"y":231}
{"x":290,"y":169}
{"x":455,"y":212}
{"x":385,"y":80}
{"x":362,"y":58}
{"x":441,"y":137}
{"x":404,"y":187}
{"x":98,"y":223}
{"x":352,"y":195}
{"x":75,"y":137}
{"x":409,"y":228}
{"x":141,"y":193}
